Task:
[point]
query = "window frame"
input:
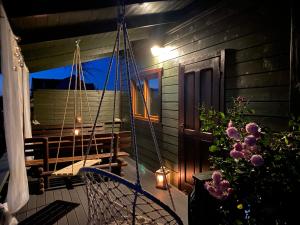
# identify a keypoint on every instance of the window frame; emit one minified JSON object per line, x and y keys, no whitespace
{"x":145,"y":76}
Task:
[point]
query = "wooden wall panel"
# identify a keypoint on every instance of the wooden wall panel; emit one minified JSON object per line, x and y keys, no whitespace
{"x":49,"y":106}
{"x":258,"y":68}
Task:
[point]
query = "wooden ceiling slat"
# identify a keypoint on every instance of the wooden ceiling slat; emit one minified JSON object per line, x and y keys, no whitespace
{"x":80,"y":29}
{"x":52,"y":54}
{"x":17,"y":8}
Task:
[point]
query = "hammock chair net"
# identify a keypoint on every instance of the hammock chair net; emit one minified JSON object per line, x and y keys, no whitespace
{"x":113,"y":200}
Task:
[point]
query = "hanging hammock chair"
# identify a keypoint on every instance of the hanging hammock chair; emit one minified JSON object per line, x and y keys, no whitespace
{"x":114,"y":200}
{"x":77,"y":87}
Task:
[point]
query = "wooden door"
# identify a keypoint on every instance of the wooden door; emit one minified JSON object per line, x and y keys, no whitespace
{"x":200,"y":84}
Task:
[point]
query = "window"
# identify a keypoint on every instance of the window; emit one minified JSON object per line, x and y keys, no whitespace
{"x":151,"y":87}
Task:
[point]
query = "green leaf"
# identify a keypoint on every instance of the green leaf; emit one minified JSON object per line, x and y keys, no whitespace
{"x":286,"y":141}
{"x":222,"y":115}
{"x":213,"y":148}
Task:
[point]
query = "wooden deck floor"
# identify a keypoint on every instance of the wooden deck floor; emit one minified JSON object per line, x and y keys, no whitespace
{"x":78,"y":216}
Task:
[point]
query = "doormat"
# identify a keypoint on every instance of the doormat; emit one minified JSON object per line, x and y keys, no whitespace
{"x":50,"y":214}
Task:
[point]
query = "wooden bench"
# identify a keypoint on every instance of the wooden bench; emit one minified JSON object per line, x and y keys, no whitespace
{"x":55,"y":130}
{"x":44,"y":150}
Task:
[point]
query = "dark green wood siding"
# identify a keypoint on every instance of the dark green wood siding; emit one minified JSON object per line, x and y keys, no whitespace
{"x":258,"y":69}
{"x":49,"y":106}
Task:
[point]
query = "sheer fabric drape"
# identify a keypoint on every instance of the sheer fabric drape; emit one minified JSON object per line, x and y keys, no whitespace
{"x":16,"y":109}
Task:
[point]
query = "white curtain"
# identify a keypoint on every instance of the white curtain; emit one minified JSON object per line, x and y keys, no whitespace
{"x":26,"y":102}
{"x":13,"y":69}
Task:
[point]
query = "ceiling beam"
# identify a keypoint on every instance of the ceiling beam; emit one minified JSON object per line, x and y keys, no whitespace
{"x":88,"y":28}
{"x":17,"y":8}
{"x":51,"y":54}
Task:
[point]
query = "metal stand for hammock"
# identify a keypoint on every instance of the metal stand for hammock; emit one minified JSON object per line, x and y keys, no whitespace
{"x":78,"y":120}
{"x":113,"y":199}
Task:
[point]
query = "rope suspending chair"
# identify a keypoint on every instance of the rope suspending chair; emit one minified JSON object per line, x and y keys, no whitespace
{"x":114,"y":200}
{"x":78,"y":120}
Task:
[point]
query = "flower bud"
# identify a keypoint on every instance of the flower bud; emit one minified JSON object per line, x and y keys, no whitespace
{"x":257,"y":160}
{"x":233,"y":133}
{"x":252,"y":128}
{"x":217,"y":177}
{"x":236,"y":154}
{"x":230,"y":124}
{"x":250,"y":140}
{"x":238,"y":146}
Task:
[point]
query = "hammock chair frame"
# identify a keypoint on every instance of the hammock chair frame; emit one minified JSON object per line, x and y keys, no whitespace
{"x":90,"y":171}
{"x":79,"y":79}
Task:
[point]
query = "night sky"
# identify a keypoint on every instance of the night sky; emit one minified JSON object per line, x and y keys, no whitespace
{"x":94,"y":72}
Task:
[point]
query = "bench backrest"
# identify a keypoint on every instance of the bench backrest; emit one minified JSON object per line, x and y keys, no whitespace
{"x":35,"y":147}
{"x":101,"y":143}
{"x":55,"y":130}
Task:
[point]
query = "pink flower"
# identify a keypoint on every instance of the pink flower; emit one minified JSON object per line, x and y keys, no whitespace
{"x":257,"y":160}
{"x":230,"y":124}
{"x":247,"y":154}
{"x":240,"y":99}
{"x":252,"y":128}
{"x":254,"y":148}
{"x":218,"y":188}
{"x":224,"y":184}
{"x":250,"y":140}
{"x":257,"y":135}
{"x":217,"y":195}
{"x":217,"y":177}
{"x":233,"y":133}
{"x":210,"y":188}
{"x":244,"y":145}
{"x":230,"y":190}
{"x":236,"y":154}
{"x":238,"y":146}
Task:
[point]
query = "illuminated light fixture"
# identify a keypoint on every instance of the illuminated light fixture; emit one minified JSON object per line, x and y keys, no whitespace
{"x":79,"y":119}
{"x":156,"y":50}
{"x":76,"y":132}
{"x":164,"y":53}
{"x":161,"y":183}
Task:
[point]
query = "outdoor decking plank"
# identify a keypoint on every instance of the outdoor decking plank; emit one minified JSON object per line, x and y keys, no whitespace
{"x":71,"y":216}
{"x":79,"y":216}
{"x":83,"y":198}
{"x":57,"y":196}
{"x":80,"y":212}
{"x":49,"y":197}
{"x":32,"y":203}
{"x":40,"y":201}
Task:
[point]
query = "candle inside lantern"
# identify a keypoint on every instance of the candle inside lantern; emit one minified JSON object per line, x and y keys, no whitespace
{"x":76,"y":132}
{"x":161,"y":182}
{"x":79,"y":119}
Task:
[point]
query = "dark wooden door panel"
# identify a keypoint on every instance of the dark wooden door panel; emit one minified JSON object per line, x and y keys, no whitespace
{"x":199,"y":85}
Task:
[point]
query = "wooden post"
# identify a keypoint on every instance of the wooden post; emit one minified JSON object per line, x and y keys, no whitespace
{"x":46,"y":161}
{"x":117,"y":170}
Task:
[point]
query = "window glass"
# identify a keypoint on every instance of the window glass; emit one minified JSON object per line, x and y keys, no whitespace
{"x":150,"y":86}
{"x":153,"y":95}
{"x":139,"y":105}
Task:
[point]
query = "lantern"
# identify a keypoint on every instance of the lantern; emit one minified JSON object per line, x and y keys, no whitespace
{"x":79,"y":119}
{"x":76,"y":132}
{"x":161,"y":182}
